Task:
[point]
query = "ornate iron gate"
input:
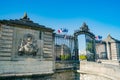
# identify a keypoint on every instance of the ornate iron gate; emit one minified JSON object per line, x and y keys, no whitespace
{"x":84,"y":30}
{"x":64,"y":45}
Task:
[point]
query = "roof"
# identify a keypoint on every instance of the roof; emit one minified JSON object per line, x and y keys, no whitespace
{"x":111,"y":39}
{"x":25,"y":21}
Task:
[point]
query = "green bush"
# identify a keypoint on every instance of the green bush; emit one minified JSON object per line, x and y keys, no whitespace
{"x":83,"y":57}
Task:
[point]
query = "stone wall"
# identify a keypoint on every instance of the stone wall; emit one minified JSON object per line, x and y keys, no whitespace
{"x":31,"y":69}
{"x":66,"y":70}
{"x":118,"y":50}
{"x":18,"y":63}
{"x":101,"y":50}
{"x":114,"y":53}
{"x":6,"y":40}
{"x":25,"y":68}
{"x":67,"y":75}
{"x":92,"y":77}
{"x":14,"y":43}
{"x":95,"y":70}
{"x":64,"y":75}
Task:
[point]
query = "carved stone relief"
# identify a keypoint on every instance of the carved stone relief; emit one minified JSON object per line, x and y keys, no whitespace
{"x":28,"y":45}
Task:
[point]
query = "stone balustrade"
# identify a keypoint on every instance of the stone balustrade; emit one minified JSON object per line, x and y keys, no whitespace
{"x":108,"y":71}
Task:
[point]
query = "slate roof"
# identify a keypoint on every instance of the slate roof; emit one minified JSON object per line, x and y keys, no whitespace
{"x":111,"y":39}
{"x":25,"y":21}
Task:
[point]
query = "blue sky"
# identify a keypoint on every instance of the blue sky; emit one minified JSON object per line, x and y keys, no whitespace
{"x":102,"y":16}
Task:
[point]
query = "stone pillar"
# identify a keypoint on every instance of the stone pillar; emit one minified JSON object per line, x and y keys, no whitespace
{"x":108,"y":51}
{"x":76,"y":48}
{"x":94,"y":46}
{"x":62,"y":49}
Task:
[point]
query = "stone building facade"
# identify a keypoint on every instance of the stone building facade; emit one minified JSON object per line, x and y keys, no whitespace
{"x":61,"y":50}
{"x":109,"y":48}
{"x":24,"y":38}
{"x":26,"y":48}
{"x":27,"y":52}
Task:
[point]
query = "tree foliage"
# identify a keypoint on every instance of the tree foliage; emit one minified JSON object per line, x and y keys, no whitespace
{"x":65,"y":57}
{"x":89,"y":46}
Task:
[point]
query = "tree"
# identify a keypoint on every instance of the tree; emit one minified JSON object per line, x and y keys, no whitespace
{"x":90,"y":51}
{"x":89,"y":46}
{"x":65,"y":57}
